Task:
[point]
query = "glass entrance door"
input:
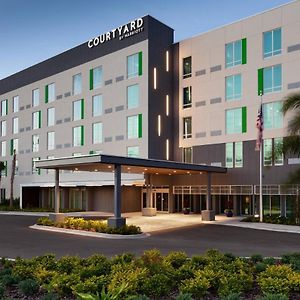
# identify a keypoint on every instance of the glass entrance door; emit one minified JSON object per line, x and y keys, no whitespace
{"x":161,"y":201}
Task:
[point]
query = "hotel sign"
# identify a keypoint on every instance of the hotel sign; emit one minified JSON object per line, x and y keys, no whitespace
{"x":122,"y":32}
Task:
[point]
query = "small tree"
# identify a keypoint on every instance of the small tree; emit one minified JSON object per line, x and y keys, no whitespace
{"x":2,"y":168}
{"x":12,"y":178}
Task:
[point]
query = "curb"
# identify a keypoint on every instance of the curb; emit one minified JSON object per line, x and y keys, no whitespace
{"x":90,"y":234}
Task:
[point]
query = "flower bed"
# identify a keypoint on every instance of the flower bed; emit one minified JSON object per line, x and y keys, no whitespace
{"x":152,"y":276}
{"x":272,"y":220}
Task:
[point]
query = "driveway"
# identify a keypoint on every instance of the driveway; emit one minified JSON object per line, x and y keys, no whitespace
{"x":16,"y":239}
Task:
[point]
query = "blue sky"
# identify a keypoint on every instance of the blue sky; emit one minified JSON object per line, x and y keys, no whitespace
{"x":34,"y":30}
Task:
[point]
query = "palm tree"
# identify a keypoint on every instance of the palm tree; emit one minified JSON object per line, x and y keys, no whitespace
{"x":2,"y":168}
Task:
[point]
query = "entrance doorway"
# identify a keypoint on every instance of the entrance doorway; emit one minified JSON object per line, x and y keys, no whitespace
{"x":160,"y":199}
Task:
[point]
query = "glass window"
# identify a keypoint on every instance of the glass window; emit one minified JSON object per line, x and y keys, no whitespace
{"x":97,"y":105}
{"x":15,"y":125}
{"x":3,"y":128}
{"x":35,"y":143}
{"x":15,"y":146}
{"x":187,"y":127}
{"x":187,"y":97}
{"x":77,"y":84}
{"x":78,"y":136}
{"x":233,"y":55}
{"x":133,"y":65}
{"x":229,"y":155}
{"x":4,"y":108}
{"x":187,"y":67}
{"x":15,"y":104}
{"x":133,"y":151}
{"x":97,"y":77}
{"x":78,"y":110}
{"x":238,"y":154}
{"x":51,"y":116}
{"x":132,"y":127}
{"x":267,"y":152}
{"x":36,"y":120}
{"x":187,"y":155}
{"x":272,"y":79}
{"x":34,"y":169}
{"x":97,"y":133}
{"x":272,"y":42}
{"x":234,"y":120}
{"x":233,"y":87}
{"x":51,"y":140}
{"x":51,"y":92}
{"x":3,"y":148}
{"x":133,"y":92}
{"x":35,"y":97}
{"x":272,"y":114}
{"x":278,"y":154}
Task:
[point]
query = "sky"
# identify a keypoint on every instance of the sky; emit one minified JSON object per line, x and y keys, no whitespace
{"x":34,"y":30}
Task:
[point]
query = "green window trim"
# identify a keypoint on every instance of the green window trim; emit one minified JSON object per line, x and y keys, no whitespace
{"x":40,"y":119}
{"x":140,"y":125}
{"x":244,"y":119}
{"x":260,"y":82}
{"x":140,"y":63}
{"x":82,"y":135}
{"x":11,"y":147}
{"x":6,"y":107}
{"x":46,"y":94}
{"x":82,"y":109}
{"x":91,"y":79}
{"x":244,"y":51}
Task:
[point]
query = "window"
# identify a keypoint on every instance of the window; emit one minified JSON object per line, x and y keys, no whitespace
{"x":278,"y":154}
{"x":36,"y":120}
{"x":238,"y":154}
{"x":187,"y":155}
{"x":51,"y":116}
{"x":15,"y":125}
{"x":233,"y":87}
{"x":3,"y":128}
{"x":51,"y":140}
{"x":236,"y":120}
{"x":77,"y":84}
{"x":50,"y":92}
{"x":35,"y":97}
{"x":267,"y":152}
{"x":272,"y":42}
{"x":229,"y":155}
{"x":97,"y":105}
{"x":187,"y":67}
{"x":187,"y":97}
{"x":272,"y":79}
{"x":97,"y":133}
{"x":133,"y":96}
{"x":35,"y":143}
{"x":4,"y":173}
{"x":14,"y":145}
{"x":34,"y":169}
{"x":133,"y":151}
{"x":78,"y":136}
{"x":3,"y":148}
{"x":187,"y":127}
{"x":78,"y":110}
{"x":134,"y":126}
{"x":15,"y":107}
{"x":4,"y":108}
{"x":134,"y":65}
{"x":272,"y":114}
{"x":96,"y":78}
{"x":236,"y":53}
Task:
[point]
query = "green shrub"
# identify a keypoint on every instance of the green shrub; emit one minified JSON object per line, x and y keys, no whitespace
{"x":152,"y":260}
{"x":186,"y":271}
{"x":176,"y":259}
{"x":124,"y":258}
{"x":67,"y":264}
{"x":292,"y":259}
{"x":199,"y":262}
{"x":157,"y":285}
{"x":2,"y":290}
{"x":50,"y":296}
{"x":232,"y":296}
{"x":250,"y":219}
{"x":90,"y":285}
{"x":255,"y":258}
{"x":138,"y":297}
{"x":9,"y":280}
{"x":197,"y":286}
{"x":274,"y":297}
{"x":260,"y":267}
{"x":44,"y":221}
{"x":24,"y":269}
{"x":229,"y":257}
{"x":28,"y":287}
{"x":185,"y":296}
{"x":269,"y":261}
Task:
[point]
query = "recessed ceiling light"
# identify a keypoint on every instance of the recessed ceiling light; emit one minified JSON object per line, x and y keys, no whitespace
{"x":96,"y":170}
{"x":128,"y":168}
{"x":109,"y":167}
{"x":174,"y":171}
{"x":201,"y":173}
{"x":76,"y":169}
{"x":156,"y":173}
{"x":145,"y":169}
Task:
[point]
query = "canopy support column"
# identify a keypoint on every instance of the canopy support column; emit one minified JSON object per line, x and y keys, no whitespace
{"x":208,"y":214}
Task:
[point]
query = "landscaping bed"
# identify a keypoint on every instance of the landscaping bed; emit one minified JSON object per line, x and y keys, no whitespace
{"x":210,"y":276}
{"x":272,"y":220}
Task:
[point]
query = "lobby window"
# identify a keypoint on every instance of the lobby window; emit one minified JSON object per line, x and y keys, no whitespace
{"x":278,"y":154}
{"x":134,"y":126}
{"x":4,"y":172}
{"x":3,"y":128}
{"x":236,"y":120}
{"x":96,"y":78}
{"x":133,"y":151}
{"x":77,"y":84}
{"x":97,"y":133}
{"x":97,"y":105}
{"x":35,"y":97}
{"x":267,"y":152}
{"x":51,"y":116}
{"x":15,"y":125}
{"x":37,"y":120}
{"x":272,"y":42}
{"x":187,"y":67}
{"x":229,"y":155}
{"x":78,"y":110}
{"x":35,"y":143}
{"x":187,"y":155}
{"x":273,"y":116}
{"x":3,"y":148}
{"x":15,"y":107}
{"x":187,"y":97}
{"x":236,"y":53}
{"x":50,"y":92}
{"x":133,"y":92}
{"x":238,"y":154}
{"x":233,"y":87}
{"x":135,"y":65}
{"x":187,"y":127}
{"x":270,"y":79}
{"x":78,"y":136}
{"x":51,"y":140}
{"x":14,"y":145}
{"x":4,"y":108}
{"x":34,"y":169}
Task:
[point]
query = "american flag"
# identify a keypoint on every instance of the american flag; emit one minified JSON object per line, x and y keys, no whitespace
{"x":260,"y":128}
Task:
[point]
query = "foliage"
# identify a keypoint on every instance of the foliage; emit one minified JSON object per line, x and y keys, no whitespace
{"x":274,"y":297}
{"x":185,"y":296}
{"x":272,"y":219}
{"x":197,"y":286}
{"x":157,"y":285}
{"x":256,"y":258}
{"x":293,"y":260}
{"x":50,"y":296}
{"x":2,"y":290}
{"x":28,"y":287}
{"x":232,"y":296}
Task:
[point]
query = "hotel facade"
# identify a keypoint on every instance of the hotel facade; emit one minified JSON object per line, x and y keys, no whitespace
{"x":134,"y":92}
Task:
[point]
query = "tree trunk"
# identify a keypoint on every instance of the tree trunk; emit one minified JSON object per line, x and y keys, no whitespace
{"x":12,"y":178}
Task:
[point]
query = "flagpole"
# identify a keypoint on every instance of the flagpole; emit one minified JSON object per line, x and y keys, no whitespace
{"x":260,"y":172}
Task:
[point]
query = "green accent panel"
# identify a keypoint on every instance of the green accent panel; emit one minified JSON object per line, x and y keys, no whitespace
{"x":244,"y":51}
{"x":82,"y":135}
{"x":82,"y":108}
{"x":11,"y":147}
{"x":140,"y":63}
{"x":140,"y":128}
{"x":46,"y":94}
{"x":40,"y":119}
{"x":6,"y":107}
{"x":244,"y":119}
{"x":260,"y":82}
{"x":92,"y":152}
{"x":91,"y":79}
